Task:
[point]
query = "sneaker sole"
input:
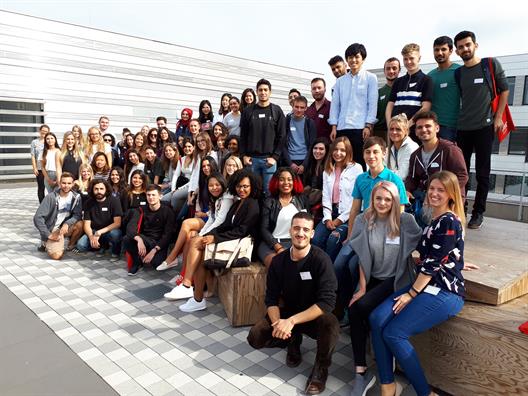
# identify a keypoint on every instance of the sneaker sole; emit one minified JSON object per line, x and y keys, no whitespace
{"x":170,"y":298}
{"x":371,"y":383}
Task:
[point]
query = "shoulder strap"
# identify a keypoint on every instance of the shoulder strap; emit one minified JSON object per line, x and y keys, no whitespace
{"x":487,"y":71}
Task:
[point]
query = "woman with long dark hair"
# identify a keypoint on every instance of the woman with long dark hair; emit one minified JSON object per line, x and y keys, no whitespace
{"x":206,"y":116}
{"x":247,"y":98}
{"x":101,"y":167}
{"x":49,"y":161}
{"x":313,"y":174}
{"x":133,"y":162}
{"x":224,"y":107}
{"x":117,"y":181}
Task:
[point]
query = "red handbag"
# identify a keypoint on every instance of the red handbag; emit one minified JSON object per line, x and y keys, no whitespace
{"x":507,"y":120}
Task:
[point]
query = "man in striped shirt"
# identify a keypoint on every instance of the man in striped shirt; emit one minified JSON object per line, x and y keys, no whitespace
{"x":412,"y":92}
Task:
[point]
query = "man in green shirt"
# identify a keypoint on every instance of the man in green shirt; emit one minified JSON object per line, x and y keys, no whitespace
{"x":446,"y":95}
{"x":391,"y":69}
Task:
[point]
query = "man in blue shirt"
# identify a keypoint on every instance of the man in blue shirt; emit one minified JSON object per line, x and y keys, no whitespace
{"x":354,"y":102}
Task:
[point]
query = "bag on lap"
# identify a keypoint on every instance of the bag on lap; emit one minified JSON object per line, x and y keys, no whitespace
{"x":224,"y":255}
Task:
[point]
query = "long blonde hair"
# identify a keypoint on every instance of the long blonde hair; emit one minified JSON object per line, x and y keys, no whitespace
{"x":450,"y":183}
{"x":80,"y":182}
{"x":89,"y":143}
{"x":393,"y":223}
{"x":77,"y":150}
{"x":82,"y":139}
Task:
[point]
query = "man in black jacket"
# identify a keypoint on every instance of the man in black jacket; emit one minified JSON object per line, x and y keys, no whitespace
{"x":300,"y":135}
{"x":262,"y":130}
{"x":149,"y":232}
{"x":304,"y":278}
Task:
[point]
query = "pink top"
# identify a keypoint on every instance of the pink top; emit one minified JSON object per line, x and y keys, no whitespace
{"x":335,"y":189}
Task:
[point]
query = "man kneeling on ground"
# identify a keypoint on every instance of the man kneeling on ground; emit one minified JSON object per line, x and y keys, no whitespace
{"x":59,"y":216}
{"x":303,"y":276}
{"x":149,"y":232}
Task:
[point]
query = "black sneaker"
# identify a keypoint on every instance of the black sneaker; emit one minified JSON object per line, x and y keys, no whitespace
{"x":134,"y":270}
{"x":42,"y":248}
{"x":476,"y":221}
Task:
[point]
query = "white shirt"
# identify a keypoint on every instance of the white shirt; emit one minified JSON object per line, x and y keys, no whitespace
{"x":284,"y":219}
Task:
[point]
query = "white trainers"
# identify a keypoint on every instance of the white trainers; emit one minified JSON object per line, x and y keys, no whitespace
{"x":192,"y":305}
{"x":180,"y":292}
{"x":165,"y":266}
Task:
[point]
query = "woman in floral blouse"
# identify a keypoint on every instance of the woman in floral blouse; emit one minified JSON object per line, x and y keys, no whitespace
{"x":436,"y":295}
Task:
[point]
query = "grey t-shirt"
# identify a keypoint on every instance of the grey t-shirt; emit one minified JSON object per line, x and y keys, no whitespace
{"x":475,"y":95}
{"x":384,"y":251}
{"x":426,"y":157}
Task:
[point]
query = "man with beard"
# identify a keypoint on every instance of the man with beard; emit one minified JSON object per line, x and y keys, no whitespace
{"x":303,"y":279}
{"x":319,"y":110}
{"x":102,"y":221}
{"x":391,"y":69}
{"x":446,"y":95}
{"x":477,"y":123}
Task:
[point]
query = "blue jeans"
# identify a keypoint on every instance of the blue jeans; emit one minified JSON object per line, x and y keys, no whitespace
{"x":260,"y":167}
{"x":448,"y":133}
{"x":346,"y":266}
{"x":390,"y":332}
{"x":330,"y":241}
{"x":113,"y":237}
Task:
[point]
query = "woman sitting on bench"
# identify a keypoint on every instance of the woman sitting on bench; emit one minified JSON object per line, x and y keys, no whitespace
{"x":241,"y":221}
{"x":435,"y":295}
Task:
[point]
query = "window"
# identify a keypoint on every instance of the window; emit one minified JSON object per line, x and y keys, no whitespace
{"x":518,"y":141}
{"x":525,"y":95}
{"x":511,"y":87}
{"x":473,"y":182}
{"x":512,"y":185}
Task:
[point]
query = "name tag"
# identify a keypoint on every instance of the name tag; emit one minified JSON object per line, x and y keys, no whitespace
{"x":432,"y":290}
{"x":104,"y":209}
{"x":262,"y":115}
{"x":142,"y":203}
{"x":321,"y":115}
{"x":478,"y":80}
{"x":306,"y":275}
{"x":412,"y":85}
{"x":392,"y":241}
{"x":383,"y":97}
{"x":443,"y":85}
{"x":434,"y":165}
{"x":293,"y":129}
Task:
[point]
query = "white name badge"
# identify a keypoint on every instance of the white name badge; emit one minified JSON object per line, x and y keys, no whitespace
{"x":383,"y":97}
{"x":104,"y":209}
{"x":412,"y":85}
{"x":393,"y":241}
{"x":443,"y":85}
{"x":293,"y":129}
{"x":478,"y":80}
{"x":306,"y":275}
{"x":321,"y":115}
{"x":434,"y":165}
{"x":142,"y":203}
{"x":262,"y":115}
{"x":432,"y":290}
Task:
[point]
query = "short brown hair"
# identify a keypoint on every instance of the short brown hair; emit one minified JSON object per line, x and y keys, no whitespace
{"x":373,"y":140}
{"x":426,"y":115}
{"x":408,"y":48}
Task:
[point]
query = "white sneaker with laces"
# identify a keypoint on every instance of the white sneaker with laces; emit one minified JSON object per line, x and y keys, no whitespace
{"x":192,"y":305}
{"x":179,"y":292}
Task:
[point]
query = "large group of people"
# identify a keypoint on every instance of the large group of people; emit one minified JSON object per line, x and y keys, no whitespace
{"x":336,"y":196}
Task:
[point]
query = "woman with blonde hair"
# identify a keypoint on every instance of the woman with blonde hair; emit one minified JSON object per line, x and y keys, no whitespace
{"x":231,"y":165}
{"x":79,"y":137}
{"x":435,"y":295}
{"x":339,"y":177}
{"x":383,"y":239}
{"x":82,"y":184}
{"x":96,"y":144}
{"x":401,"y":146}
{"x":70,"y":157}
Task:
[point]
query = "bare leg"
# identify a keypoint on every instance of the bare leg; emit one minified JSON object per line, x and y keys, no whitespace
{"x":211,"y":282}
{"x":194,"y":259}
{"x":189,"y":225}
{"x":199,"y":279}
{"x":76,"y":232}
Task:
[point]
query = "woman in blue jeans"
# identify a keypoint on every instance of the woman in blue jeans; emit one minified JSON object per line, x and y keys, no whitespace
{"x":339,"y":177}
{"x":436,"y":295}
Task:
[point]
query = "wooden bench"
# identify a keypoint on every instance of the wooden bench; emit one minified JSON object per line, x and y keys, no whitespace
{"x":242,"y":292}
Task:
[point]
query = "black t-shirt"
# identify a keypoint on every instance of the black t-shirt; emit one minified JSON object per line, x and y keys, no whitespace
{"x":71,"y":165}
{"x":137,"y":200}
{"x":153,"y":170}
{"x":102,"y":214}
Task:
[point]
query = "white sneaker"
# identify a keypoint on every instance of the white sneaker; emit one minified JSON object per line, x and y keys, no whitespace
{"x":165,"y":266}
{"x":179,"y":292}
{"x":192,"y":305}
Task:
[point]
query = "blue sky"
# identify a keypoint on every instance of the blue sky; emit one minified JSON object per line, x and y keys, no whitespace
{"x":296,"y":33}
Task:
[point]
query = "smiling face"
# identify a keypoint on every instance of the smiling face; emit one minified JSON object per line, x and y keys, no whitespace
{"x":194,"y":127}
{"x":466,"y":48}
{"x":232,"y":146}
{"x":230,"y":166}
{"x":153,"y":197}
{"x":164,"y":135}
{"x":263,"y":93}
{"x":206,"y":167}
{"x":206,"y":109}
{"x":374,"y":156}
{"x":355,"y":62}
{"x":442,"y":53}
{"x":94,"y":135}
{"x":201,"y":144}
{"x":169,"y":152}
{"x":137,"y":181}
{"x":217,"y":131}
{"x":234,"y":105}
{"x":285,"y":183}
{"x":243,"y":188}
{"x":70,"y":141}
{"x":133,"y":158}
{"x":339,"y":153}
{"x":391,"y":70}
{"x":427,"y":130}
{"x":338,"y":69}
{"x":139,"y":140}
{"x":225,"y":103}
{"x":188,"y":149}
{"x":150,"y":155}
{"x":301,"y":232}
{"x":129,"y":140}
{"x":66,"y":184}
{"x":100,"y":162}
{"x":382,"y":202}
{"x":299,"y":108}
{"x":214,"y":187}
{"x":319,"y":151}
{"x":318,"y":90}
{"x":396,"y":132}
{"x":437,"y":196}
{"x":412,"y":61}
{"x":114,"y":177}
{"x":86,"y":173}
{"x":249,"y":98}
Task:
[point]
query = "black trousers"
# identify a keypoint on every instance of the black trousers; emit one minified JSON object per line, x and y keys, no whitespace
{"x":324,"y":329}
{"x":479,"y":142}
{"x":358,"y":314}
{"x":356,"y":139}
{"x":131,"y":248}
{"x":41,"y":188}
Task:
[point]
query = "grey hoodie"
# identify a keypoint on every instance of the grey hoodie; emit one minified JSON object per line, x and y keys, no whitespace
{"x":46,"y":215}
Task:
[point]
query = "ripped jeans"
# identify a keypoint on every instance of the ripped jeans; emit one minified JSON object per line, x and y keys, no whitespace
{"x":330,"y":241}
